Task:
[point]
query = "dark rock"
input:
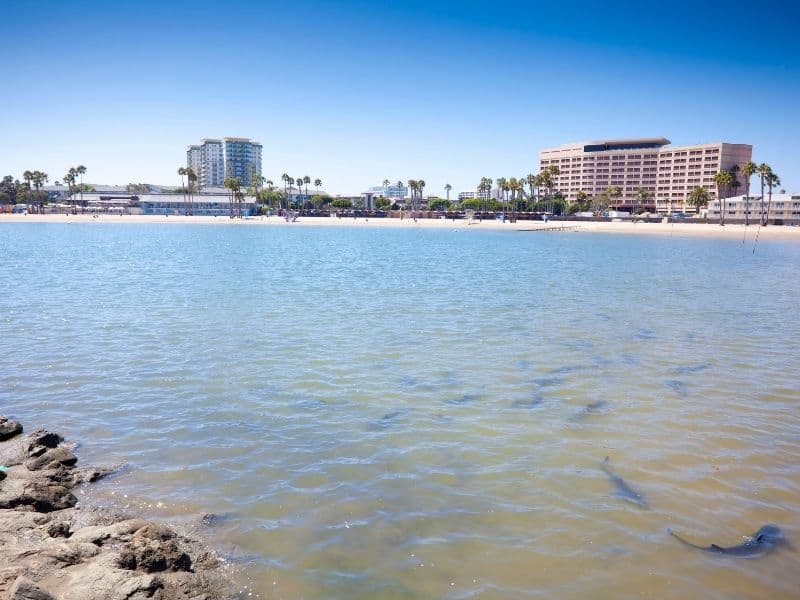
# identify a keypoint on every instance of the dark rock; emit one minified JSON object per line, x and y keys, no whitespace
{"x":9,"y":429}
{"x":154,"y":531}
{"x":40,"y":440}
{"x":25,"y":589}
{"x":52,"y":458}
{"x":153,"y":555}
{"x":2,"y":475}
{"x":41,"y":496}
{"x":58,"y":529}
{"x":90,"y":474}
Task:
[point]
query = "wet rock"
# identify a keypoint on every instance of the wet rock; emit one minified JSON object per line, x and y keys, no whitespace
{"x":9,"y":429}
{"x":92,"y":553}
{"x":40,"y":496}
{"x":51,"y":458}
{"x":25,"y":589}
{"x":90,"y":474}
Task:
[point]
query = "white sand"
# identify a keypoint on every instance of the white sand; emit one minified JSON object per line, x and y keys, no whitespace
{"x":771,"y":232}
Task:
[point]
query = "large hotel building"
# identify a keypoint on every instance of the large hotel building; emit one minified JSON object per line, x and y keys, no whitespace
{"x":669,"y":173}
{"x":215,"y":159}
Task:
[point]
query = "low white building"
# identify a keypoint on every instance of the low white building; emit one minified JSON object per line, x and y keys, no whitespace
{"x":784,"y":208}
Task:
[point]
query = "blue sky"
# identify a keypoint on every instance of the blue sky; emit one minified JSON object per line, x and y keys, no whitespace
{"x":355,"y":92}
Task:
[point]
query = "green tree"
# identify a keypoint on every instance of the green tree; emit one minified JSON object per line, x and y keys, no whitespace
{"x":763,"y":173}
{"x":317,"y":183}
{"x":233,"y":185}
{"x":439,"y":204}
{"x":530,"y":179}
{"x":723,"y":180}
{"x":698,"y":198}
{"x":191,"y":176}
{"x":182,"y":173}
{"x":342,"y":203}
{"x":748,"y":170}
{"x":306,"y":181}
{"x":382,"y":203}
{"x":81,"y":171}
{"x":8,"y":190}
{"x":447,"y":188}
{"x":772,"y":181}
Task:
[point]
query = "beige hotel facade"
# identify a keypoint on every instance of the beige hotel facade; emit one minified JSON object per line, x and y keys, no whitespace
{"x":669,"y":173}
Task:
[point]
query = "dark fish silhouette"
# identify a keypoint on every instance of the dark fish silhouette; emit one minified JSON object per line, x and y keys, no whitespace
{"x":590,"y":409}
{"x":690,"y":370}
{"x":568,"y":369}
{"x":623,"y":490}
{"x":543,"y":382}
{"x":678,"y":387}
{"x":536,"y":400}
{"x":385,"y":420}
{"x":463,"y":399}
{"x":762,"y":542}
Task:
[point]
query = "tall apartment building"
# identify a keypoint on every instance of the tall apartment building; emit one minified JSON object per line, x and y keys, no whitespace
{"x":208,"y":163}
{"x":669,"y":173}
{"x":213,"y":160}
{"x":194,"y":159}
{"x":242,"y":159}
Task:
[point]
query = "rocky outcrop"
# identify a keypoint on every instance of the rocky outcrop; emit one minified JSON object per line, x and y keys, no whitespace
{"x":9,"y":429}
{"x":50,"y":547}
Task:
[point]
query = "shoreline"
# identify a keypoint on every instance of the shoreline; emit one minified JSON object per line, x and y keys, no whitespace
{"x":682,"y":230}
{"x":55,"y":546}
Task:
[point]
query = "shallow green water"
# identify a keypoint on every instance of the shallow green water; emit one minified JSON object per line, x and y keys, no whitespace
{"x":403,"y":413}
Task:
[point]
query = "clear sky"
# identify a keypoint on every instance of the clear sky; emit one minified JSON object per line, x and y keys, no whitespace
{"x":354,"y":92}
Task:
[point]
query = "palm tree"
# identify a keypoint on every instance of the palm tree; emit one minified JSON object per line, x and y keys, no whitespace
{"x":723,"y":180}
{"x":735,"y":183}
{"x":192,"y":177}
{"x":317,"y":183}
{"x":285,"y":179}
{"x":554,"y":172}
{"x":182,"y":172}
{"x":39,"y":178}
{"x":81,"y":170}
{"x":420,"y":187}
{"x":530,"y":179}
{"x":69,"y":179}
{"x":642,"y":196}
{"x":763,"y":173}
{"x":447,"y":188}
{"x":698,"y":197}
{"x":412,"y":185}
{"x":748,"y":170}
{"x":300,"y":181}
{"x":772,"y":181}
{"x":28,"y":177}
{"x":232,"y":184}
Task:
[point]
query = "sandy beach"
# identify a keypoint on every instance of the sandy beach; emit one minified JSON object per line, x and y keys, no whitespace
{"x":771,"y":232}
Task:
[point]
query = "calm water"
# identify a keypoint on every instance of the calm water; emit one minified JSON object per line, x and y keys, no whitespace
{"x":403,"y":413}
